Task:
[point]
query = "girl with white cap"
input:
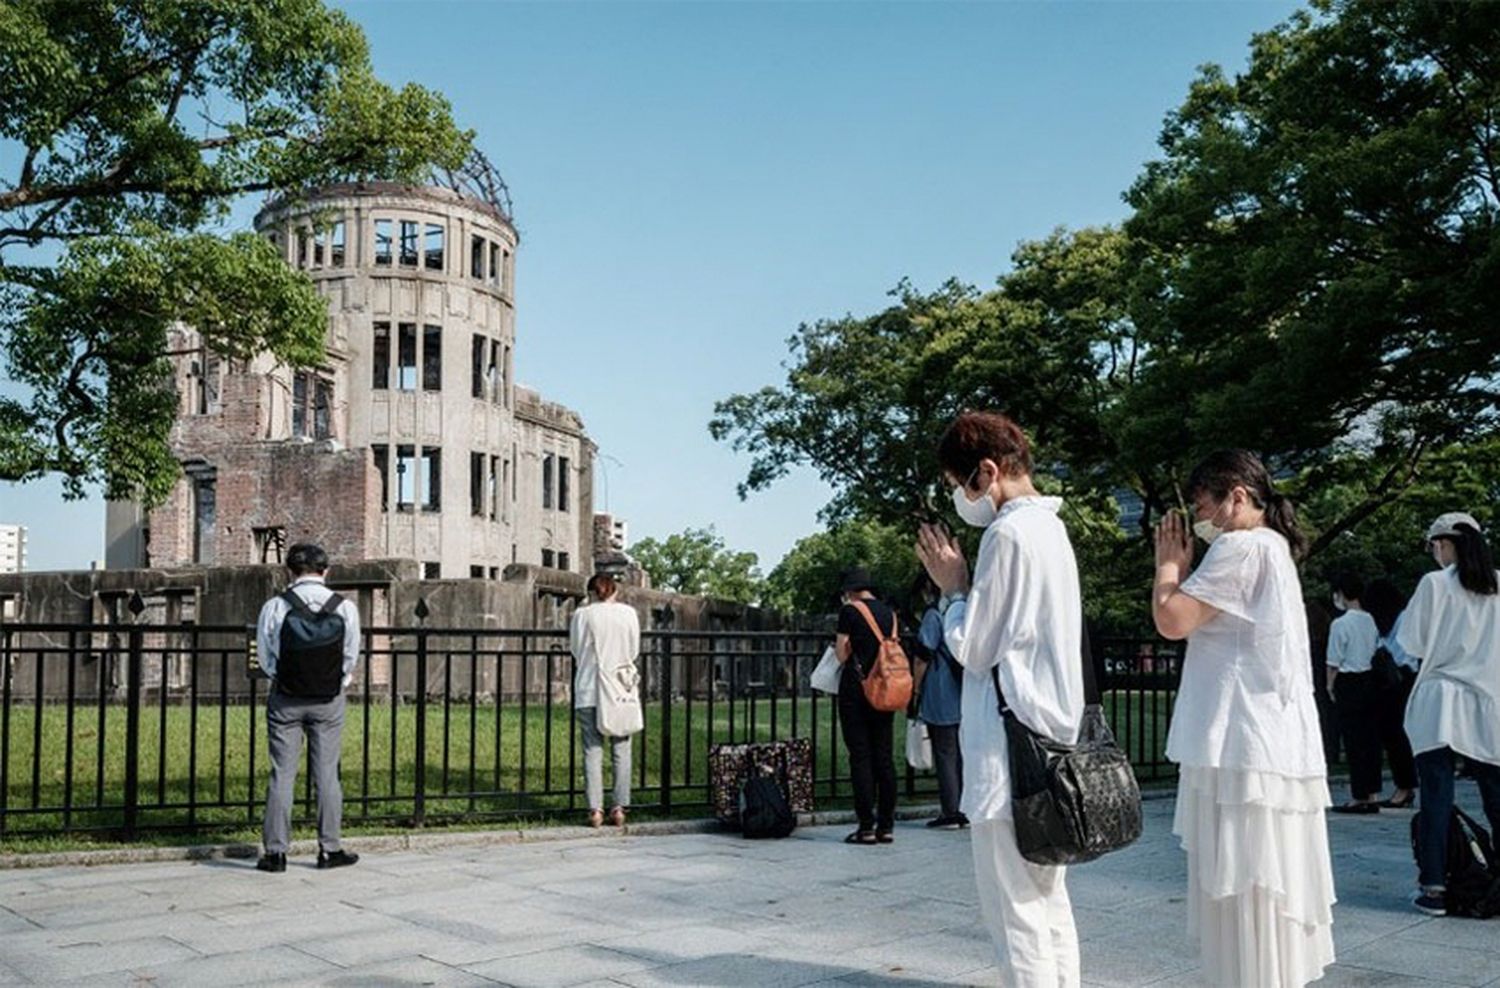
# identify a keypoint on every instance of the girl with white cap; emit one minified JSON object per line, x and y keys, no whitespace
{"x":1453,"y":626}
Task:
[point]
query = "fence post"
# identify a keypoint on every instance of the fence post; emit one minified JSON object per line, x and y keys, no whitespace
{"x":666,"y":721}
{"x":419,"y":800}
{"x":132,"y":730}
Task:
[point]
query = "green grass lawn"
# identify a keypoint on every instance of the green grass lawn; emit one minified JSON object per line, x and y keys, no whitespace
{"x":480,"y":763}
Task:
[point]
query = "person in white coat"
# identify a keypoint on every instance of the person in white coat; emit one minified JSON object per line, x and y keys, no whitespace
{"x":1453,"y":626}
{"x":1253,"y":784}
{"x":1022,"y":618}
{"x":603,"y":636}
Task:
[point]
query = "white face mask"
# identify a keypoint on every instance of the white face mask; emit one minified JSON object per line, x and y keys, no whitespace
{"x":977,"y":513}
{"x":1210,"y":529}
{"x":1339,"y":603}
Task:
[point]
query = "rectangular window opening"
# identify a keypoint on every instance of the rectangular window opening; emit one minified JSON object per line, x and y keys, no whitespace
{"x":383,"y":243}
{"x":493,"y":493}
{"x":406,"y":478}
{"x":477,"y":360}
{"x":432,"y":479}
{"x":322,"y":410}
{"x":205,"y":511}
{"x":336,"y":246}
{"x":476,"y":257}
{"x":562,"y":561}
{"x":435,"y":237}
{"x":547,"y":462}
{"x":494,"y":264}
{"x":299,"y":404}
{"x":563,"y":483}
{"x":432,"y":571}
{"x":547,"y":558}
{"x":409,"y":243}
{"x":432,"y":358}
{"x":495,"y":374}
{"x":381,"y":355}
{"x":476,"y":572}
{"x":302,"y":237}
{"x":270,"y":544}
{"x":320,"y":244}
{"x":406,"y":357}
{"x":476,"y":485}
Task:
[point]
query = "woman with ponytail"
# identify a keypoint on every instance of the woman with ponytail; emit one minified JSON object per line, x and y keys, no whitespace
{"x":1453,"y":626}
{"x":1253,"y":785}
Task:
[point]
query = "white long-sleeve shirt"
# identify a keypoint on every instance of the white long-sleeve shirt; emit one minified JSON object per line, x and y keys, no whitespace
{"x":1455,"y":702}
{"x":274,"y":612}
{"x":1024,"y":615}
{"x":603,"y":635}
{"x":1352,"y":641}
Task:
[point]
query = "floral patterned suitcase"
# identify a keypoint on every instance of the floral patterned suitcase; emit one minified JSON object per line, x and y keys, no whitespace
{"x":729,"y":765}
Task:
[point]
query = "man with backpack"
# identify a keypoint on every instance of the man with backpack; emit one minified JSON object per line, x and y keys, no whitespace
{"x":308,"y":643}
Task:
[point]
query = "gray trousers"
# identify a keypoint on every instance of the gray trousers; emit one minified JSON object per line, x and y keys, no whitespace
{"x":948,"y":760}
{"x":287,"y":719}
{"x":593,"y":761}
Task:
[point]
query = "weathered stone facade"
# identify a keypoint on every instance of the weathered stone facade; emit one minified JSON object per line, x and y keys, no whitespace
{"x":411,"y":441}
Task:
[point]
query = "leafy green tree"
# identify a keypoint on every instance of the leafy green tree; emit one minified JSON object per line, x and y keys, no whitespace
{"x":136,"y":124}
{"x":1317,"y":254}
{"x":696,"y":561}
{"x":806,"y":581}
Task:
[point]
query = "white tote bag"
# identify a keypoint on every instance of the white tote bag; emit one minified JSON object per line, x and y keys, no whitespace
{"x":825,"y":678}
{"x":619,"y":707}
{"x":918,"y":745}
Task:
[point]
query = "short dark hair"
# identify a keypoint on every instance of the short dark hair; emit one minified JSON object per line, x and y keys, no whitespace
{"x":1350,"y":585}
{"x":1222,"y":471}
{"x":306,"y":557}
{"x":975,"y":436}
{"x":601,"y":585}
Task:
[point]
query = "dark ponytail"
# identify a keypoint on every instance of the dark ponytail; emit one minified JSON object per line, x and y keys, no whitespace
{"x":1475,"y":564}
{"x":1227,"y":469}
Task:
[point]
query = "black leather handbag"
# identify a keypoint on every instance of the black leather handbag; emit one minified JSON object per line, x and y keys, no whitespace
{"x":1072,"y":802}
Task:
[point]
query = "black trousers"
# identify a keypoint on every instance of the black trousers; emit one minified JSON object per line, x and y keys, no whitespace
{"x":948,"y":762}
{"x":1393,"y":731}
{"x":1359,"y":721}
{"x":867,"y":735}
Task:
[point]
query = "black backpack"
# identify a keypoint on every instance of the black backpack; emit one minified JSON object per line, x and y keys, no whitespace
{"x":764,"y":810}
{"x":311,"y":660}
{"x":1473,"y":877}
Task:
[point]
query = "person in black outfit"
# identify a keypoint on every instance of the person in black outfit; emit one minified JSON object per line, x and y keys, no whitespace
{"x":1385,"y":604}
{"x":867,"y":731}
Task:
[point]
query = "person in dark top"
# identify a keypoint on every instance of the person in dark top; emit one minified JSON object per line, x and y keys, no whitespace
{"x":867,"y":731}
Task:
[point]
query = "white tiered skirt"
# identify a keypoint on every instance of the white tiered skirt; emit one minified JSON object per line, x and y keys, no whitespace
{"x":1260,"y":882}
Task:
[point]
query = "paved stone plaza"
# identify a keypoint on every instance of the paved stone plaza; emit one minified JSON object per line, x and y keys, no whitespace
{"x":690,"y":909}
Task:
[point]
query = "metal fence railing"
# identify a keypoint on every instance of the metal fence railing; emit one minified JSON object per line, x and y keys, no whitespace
{"x":123,"y":729}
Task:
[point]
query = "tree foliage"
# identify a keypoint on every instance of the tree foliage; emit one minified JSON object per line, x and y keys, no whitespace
{"x":1311,"y":271}
{"x":696,"y":561}
{"x":136,"y":124}
{"x":806,"y":581}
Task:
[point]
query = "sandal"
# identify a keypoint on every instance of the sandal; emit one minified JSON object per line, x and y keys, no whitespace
{"x":596,"y":818}
{"x":884,"y":837}
{"x":1401,"y":804}
{"x":617,"y":816}
{"x":861,"y":837}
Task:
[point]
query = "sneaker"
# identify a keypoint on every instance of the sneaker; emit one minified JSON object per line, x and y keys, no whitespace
{"x":1432,"y":905}
{"x":963,"y":822}
{"x":336,"y":859}
{"x":273,"y":863}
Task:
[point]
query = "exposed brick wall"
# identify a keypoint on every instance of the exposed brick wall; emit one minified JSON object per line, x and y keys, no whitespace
{"x":315,"y":492}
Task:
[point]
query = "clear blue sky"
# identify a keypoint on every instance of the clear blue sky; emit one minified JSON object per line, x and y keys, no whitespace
{"x":693,"y":180}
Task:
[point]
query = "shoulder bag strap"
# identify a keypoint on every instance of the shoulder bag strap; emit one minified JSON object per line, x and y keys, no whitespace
{"x":859,"y":605}
{"x":332,"y":604}
{"x":295,"y":601}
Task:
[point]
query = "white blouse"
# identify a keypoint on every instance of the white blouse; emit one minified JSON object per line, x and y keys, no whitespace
{"x":1352,"y":641}
{"x":604,"y":635}
{"x":1246,"y":700}
{"x":1024,"y":613}
{"x":1456,"y":699}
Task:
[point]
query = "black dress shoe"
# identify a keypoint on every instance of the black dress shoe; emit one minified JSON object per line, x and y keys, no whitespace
{"x":1357,"y":807}
{"x":338,"y":859}
{"x":271,"y":862}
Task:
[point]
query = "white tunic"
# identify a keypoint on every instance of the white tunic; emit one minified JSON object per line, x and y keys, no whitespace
{"x":1456,"y":699}
{"x":607,"y":633}
{"x":1025,"y":613}
{"x":1246,"y":699}
{"x":1352,"y":640}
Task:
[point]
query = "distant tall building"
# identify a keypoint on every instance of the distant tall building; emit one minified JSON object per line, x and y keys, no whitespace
{"x":12,"y":548}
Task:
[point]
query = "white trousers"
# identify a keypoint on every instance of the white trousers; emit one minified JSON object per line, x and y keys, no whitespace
{"x":1026,"y":909}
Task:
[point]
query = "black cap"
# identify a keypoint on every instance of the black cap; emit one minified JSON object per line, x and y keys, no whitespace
{"x":854,"y":580}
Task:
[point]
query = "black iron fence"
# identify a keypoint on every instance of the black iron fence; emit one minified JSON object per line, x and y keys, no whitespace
{"x":129,"y":728}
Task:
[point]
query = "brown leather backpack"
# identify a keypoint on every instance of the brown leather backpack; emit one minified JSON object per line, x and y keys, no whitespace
{"x":888,"y":684}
